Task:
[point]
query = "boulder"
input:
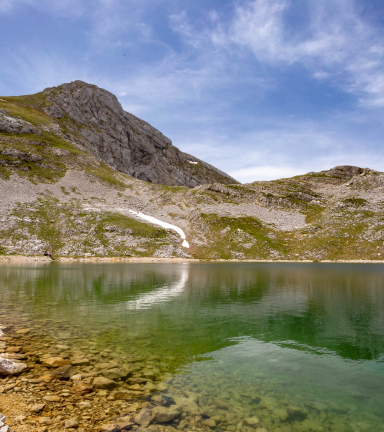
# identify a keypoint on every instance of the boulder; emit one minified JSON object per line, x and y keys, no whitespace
{"x":164,"y":414}
{"x":145,"y":417}
{"x":8,"y":367}
{"x":14,"y":125}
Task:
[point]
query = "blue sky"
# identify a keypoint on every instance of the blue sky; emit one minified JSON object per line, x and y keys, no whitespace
{"x":262,"y":89}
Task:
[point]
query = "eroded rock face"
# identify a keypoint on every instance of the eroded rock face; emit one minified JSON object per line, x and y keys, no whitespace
{"x":95,"y":119}
{"x":15,"y":125}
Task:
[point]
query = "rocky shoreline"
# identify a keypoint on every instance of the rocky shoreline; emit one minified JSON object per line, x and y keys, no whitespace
{"x":46,"y":386}
{"x":10,"y":259}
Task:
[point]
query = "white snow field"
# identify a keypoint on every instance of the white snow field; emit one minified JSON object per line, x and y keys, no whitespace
{"x":163,"y":225}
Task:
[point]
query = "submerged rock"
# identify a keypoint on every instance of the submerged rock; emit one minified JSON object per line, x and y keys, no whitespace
{"x":55,"y":362}
{"x":8,"y":367}
{"x":104,"y":383}
{"x":145,"y":417}
{"x":64,"y":372}
{"x":82,"y":388}
{"x":165,"y":415}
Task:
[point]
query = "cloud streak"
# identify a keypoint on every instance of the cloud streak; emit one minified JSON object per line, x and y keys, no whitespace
{"x":335,"y":42}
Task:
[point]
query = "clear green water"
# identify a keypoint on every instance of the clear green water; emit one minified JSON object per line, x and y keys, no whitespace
{"x":300,"y":346}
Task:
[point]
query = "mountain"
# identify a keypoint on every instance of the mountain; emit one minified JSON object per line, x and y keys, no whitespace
{"x":94,"y":119}
{"x":69,"y":168}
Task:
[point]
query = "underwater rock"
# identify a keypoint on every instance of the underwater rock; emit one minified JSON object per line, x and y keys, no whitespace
{"x":210,"y":423}
{"x":8,"y":367}
{"x":64,"y":372}
{"x":252,"y":421}
{"x":82,"y":388}
{"x":79,"y":361}
{"x":162,"y":400}
{"x":104,"y":383}
{"x":145,"y":417}
{"x":114,"y":373}
{"x":165,"y":415}
{"x":55,"y":362}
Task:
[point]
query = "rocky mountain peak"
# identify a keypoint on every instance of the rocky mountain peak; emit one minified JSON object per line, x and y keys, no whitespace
{"x":94,"y":119}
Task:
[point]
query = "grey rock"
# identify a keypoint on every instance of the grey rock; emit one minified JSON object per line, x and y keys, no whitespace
{"x":115,"y":373}
{"x":165,"y":415}
{"x":123,"y":141}
{"x":64,"y":372}
{"x":104,"y":383}
{"x":8,"y":367}
{"x":162,"y":400}
{"x":10,"y":124}
{"x":145,"y":417}
{"x":26,"y":157}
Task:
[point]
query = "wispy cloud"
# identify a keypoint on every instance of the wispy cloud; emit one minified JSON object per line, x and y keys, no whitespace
{"x":334,"y":42}
{"x":213,"y":80}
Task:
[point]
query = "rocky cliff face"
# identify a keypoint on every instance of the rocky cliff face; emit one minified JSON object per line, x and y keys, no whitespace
{"x":94,"y":119}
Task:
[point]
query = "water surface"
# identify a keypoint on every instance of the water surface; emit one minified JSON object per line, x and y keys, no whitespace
{"x":299,"y":346}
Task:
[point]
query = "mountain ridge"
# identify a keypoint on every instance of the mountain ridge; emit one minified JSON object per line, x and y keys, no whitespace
{"x":94,"y":118}
{"x":58,"y":196}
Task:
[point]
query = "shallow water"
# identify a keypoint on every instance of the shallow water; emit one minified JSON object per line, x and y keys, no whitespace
{"x":299,"y":346}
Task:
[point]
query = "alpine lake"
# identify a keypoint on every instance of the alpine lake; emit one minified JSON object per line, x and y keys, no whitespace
{"x":222,"y":346}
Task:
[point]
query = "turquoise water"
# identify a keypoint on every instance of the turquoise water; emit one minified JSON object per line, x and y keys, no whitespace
{"x":299,"y":346}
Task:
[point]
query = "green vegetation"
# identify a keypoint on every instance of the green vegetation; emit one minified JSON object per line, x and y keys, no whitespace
{"x":17,"y":106}
{"x":4,"y":173}
{"x":107,"y":175}
{"x":357,"y":202}
{"x":62,"y":228}
{"x":245,"y":237}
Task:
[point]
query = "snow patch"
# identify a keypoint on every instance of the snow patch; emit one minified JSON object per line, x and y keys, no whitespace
{"x":192,"y":162}
{"x":163,"y":225}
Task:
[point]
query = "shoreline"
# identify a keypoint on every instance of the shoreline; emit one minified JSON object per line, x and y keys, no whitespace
{"x":10,"y":259}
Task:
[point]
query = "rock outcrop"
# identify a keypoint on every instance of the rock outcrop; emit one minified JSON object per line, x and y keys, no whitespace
{"x":13,"y":125}
{"x":94,"y":119}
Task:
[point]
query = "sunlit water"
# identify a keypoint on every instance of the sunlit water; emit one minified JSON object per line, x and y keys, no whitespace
{"x":299,"y":346}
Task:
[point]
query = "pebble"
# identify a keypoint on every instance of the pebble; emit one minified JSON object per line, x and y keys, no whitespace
{"x":104,"y":383}
{"x":71,"y":423}
{"x":55,"y":362}
{"x":52,"y":398}
{"x":37,"y":407}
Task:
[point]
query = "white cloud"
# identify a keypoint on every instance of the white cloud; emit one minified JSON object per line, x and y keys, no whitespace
{"x":335,"y":43}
